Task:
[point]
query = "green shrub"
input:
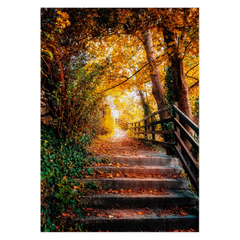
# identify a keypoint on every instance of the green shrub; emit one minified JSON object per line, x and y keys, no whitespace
{"x":62,"y":160}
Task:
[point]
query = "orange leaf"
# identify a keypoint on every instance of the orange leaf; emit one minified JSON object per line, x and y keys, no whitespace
{"x":140,"y":213}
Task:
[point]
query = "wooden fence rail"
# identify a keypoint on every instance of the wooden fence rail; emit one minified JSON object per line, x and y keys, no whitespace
{"x":147,"y":126}
{"x":121,"y":123}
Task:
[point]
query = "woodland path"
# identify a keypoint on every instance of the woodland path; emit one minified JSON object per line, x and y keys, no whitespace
{"x":141,"y":189}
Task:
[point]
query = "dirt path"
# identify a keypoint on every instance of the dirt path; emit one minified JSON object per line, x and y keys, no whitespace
{"x":120,"y":144}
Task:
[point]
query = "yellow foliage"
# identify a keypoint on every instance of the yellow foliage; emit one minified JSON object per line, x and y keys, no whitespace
{"x":107,"y":122}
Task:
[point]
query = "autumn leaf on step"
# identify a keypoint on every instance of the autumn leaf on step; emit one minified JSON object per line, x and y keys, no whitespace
{"x":99,"y":215}
{"x":182,"y":212}
{"x":66,"y":214}
{"x":90,"y":209}
{"x":110,"y":175}
{"x":140,"y":213}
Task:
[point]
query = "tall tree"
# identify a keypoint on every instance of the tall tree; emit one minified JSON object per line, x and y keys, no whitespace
{"x":180,"y":31}
{"x":157,"y":87}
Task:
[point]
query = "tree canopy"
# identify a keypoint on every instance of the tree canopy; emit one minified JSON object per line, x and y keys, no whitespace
{"x":92,"y":56}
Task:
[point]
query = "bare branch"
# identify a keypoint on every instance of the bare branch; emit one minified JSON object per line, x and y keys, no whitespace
{"x":192,"y":68}
{"x":194,"y":85}
{"x":125,"y":80}
{"x":192,"y":77}
{"x":140,"y":39}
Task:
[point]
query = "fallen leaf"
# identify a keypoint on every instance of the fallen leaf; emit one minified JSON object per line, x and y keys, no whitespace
{"x":90,"y":209}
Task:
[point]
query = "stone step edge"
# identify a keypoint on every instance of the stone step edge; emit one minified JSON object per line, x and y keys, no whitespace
{"x":131,"y":179}
{"x":100,"y":157}
{"x":137,"y":224}
{"x":128,"y":201}
{"x":136,"y":184}
{"x":116,"y":158}
{"x":138,"y":217}
{"x":140,"y":169}
{"x":171,"y":195}
{"x":140,"y":223}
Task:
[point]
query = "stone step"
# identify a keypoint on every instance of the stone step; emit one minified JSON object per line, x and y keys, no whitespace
{"x":139,"y":184}
{"x":146,"y":206}
{"x":143,"y":160}
{"x":128,"y":201}
{"x":139,"y":169}
{"x":115,"y":220}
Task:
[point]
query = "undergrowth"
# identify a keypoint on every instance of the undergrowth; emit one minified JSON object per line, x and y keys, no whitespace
{"x":62,"y":161}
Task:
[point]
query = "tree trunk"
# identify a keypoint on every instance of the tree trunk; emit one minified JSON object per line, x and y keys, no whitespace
{"x":180,"y":87}
{"x":61,"y":70}
{"x":157,"y":88}
{"x":146,"y":107}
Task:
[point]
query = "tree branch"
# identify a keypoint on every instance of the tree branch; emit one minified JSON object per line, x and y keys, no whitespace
{"x":125,"y":80}
{"x":140,"y":39}
{"x":192,"y":77}
{"x":191,"y":68}
{"x":194,"y":85}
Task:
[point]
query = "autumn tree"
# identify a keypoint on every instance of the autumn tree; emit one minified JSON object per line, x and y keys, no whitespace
{"x":68,"y":84}
{"x":157,"y":87}
{"x":178,"y":31}
{"x":125,"y":48}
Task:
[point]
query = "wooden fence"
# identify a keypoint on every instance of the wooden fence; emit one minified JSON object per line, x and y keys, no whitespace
{"x":148,"y":125}
{"x":123,"y":124}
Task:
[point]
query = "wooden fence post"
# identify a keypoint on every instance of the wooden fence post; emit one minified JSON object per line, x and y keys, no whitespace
{"x":152,"y":128}
{"x":176,"y":128}
{"x":145,"y":128}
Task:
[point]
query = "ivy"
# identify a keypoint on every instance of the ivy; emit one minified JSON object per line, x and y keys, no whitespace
{"x":62,"y":161}
{"x":169,"y":101}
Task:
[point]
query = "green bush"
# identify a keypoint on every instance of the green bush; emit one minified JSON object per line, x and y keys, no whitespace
{"x":62,"y":160}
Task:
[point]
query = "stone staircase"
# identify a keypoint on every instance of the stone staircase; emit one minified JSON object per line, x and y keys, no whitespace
{"x":139,"y":204}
